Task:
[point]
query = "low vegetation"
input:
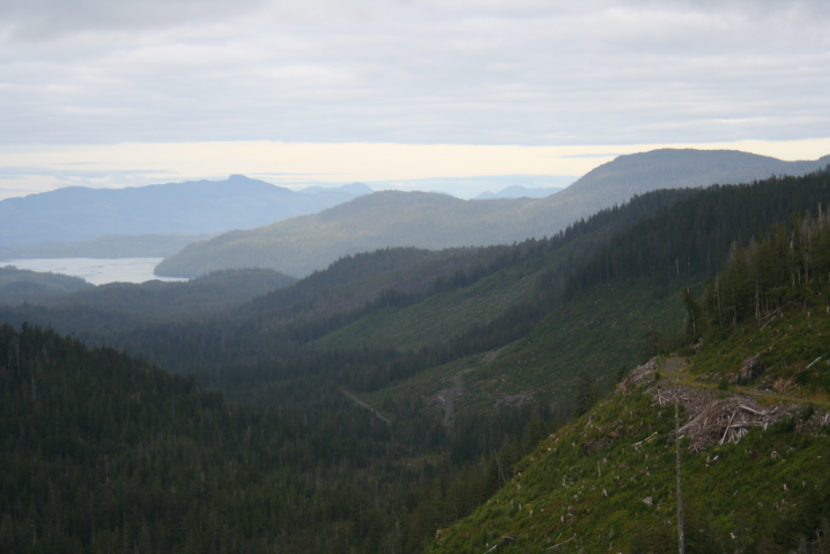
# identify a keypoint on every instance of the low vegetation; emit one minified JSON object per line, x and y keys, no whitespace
{"x":751,"y":487}
{"x":753,"y":438}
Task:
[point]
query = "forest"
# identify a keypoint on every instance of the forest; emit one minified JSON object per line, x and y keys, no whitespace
{"x":751,"y":376}
{"x":325,"y":415}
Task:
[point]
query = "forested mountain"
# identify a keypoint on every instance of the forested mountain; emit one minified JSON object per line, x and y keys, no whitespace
{"x":158,"y":300}
{"x":625,"y":176}
{"x":697,"y":235}
{"x":98,"y":313}
{"x":388,"y":219}
{"x":190,"y":208}
{"x":390,"y":394}
{"x":723,"y":448}
{"x":269,"y":330}
{"x":102,"y":453}
{"x":416,"y":308}
{"x":302,"y":245}
{"x":625,"y":300}
{"x":19,"y":285}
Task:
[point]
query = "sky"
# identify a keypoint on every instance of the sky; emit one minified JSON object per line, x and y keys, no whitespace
{"x":112,"y":93}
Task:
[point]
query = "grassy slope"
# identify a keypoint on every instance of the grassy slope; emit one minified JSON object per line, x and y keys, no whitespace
{"x":794,"y":353}
{"x":599,"y":333}
{"x":586,"y":486}
{"x":451,"y":313}
{"x":443,"y":315}
{"x":354,"y":281}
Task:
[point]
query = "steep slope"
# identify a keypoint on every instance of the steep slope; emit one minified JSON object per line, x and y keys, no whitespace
{"x":620,"y":301}
{"x":195,"y":207}
{"x":753,"y":461}
{"x":299,"y":246}
{"x":104,"y":453}
{"x":724,"y":450}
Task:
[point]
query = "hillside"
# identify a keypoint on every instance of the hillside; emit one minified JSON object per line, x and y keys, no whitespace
{"x":190,"y":208}
{"x":625,"y":176}
{"x":105,"y":453}
{"x":19,"y":285}
{"x":105,"y":314}
{"x":753,"y":451}
{"x":302,"y":245}
{"x":392,"y":393}
{"x":557,"y":310}
{"x":723,"y":447}
{"x":159,"y":301}
{"x":607,"y":481}
{"x":394,"y":313}
{"x":410,"y":289}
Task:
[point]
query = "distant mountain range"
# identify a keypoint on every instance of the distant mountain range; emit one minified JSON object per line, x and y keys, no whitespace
{"x":106,"y":246}
{"x":74,"y":214}
{"x":518,"y":191}
{"x":302,"y":245}
{"x":620,"y":179}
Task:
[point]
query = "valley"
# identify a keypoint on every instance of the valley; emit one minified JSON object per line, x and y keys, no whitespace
{"x":482,"y":391}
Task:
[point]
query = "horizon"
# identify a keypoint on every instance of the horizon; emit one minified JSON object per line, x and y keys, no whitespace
{"x":463,"y":171}
{"x":105,"y":94}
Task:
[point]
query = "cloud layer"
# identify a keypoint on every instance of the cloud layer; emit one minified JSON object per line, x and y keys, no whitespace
{"x":486,"y":72}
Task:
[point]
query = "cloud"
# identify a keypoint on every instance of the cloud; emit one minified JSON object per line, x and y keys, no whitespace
{"x":43,"y":20}
{"x":487,"y":72}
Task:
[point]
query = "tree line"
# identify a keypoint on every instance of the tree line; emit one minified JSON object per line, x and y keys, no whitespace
{"x":787,"y":266}
{"x":695,"y":235}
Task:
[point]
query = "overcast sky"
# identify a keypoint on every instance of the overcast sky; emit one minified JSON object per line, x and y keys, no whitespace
{"x":112,"y":93}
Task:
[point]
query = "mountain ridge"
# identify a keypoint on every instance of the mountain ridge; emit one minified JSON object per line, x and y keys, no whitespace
{"x":620,"y":179}
{"x":483,"y":373}
{"x":299,"y":246}
{"x":519,"y":191}
{"x":383,"y":219}
{"x":190,"y":207}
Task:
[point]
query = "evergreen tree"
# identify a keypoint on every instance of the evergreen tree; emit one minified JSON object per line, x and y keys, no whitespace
{"x":586,"y":394}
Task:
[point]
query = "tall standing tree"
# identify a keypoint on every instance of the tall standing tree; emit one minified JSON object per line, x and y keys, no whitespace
{"x":586,"y":393}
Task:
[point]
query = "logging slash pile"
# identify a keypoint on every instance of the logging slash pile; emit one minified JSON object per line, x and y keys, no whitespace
{"x":710,"y":417}
{"x":718,"y":420}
